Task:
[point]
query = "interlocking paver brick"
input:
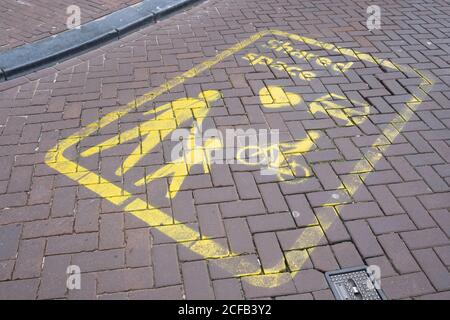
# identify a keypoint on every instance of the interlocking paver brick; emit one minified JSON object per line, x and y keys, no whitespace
{"x":326,"y":175}
{"x":363,"y":238}
{"x":211,"y":224}
{"x":301,"y":238}
{"x":323,"y":155}
{"x":9,"y":241}
{"x":229,"y":267}
{"x":418,"y":141}
{"x":356,"y":189}
{"x":323,"y":295}
{"x":45,"y":228}
{"x":113,"y":296}
{"x":301,"y":210}
{"x":301,"y":296}
{"x":242,"y":208}
{"x":323,"y":258}
{"x":384,"y":264}
{"x":63,"y":202}
{"x":54,"y":277}
{"x":88,"y":289}
{"x":436,"y":296}
{"x":30,"y":258}
{"x":19,"y":289}
{"x":321,"y":198}
{"x":20,"y":179}
{"x":359,"y":210}
{"x":22,"y":214}
{"x":417,"y":212}
{"x":286,"y":286}
{"x":271,"y":222}
{"x":436,"y":272}
{"x":382,"y":177}
{"x":386,"y":200}
{"x":307,"y":185}
{"x":221,"y":176}
{"x":347,"y":255}
{"x":348,"y":149}
{"x":404,"y":169}
{"x":273,"y":199}
{"x":425,"y":238}
{"x":218,"y":248}
{"x":396,"y":223}
{"x":159,"y":235}
{"x":111,"y":234}
{"x":157,"y":196}
{"x":407,"y":285}
{"x":6,"y":269}
{"x":398,"y":253}
{"x":215,"y":195}
{"x":442,"y":148}
{"x":239,"y":236}
{"x":436,"y":201}
{"x":444,"y":254}
{"x":99,"y":260}
{"x":138,"y":247}
{"x":5,"y":167}
{"x":196,"y":281}
{"x":72,"y":243}
{"x":298,"y":260}
{"x":124,"y":280}
{"x":87,"y":215}
{"x":269,"y":252}
{"x":228,"y":289}
{"x":13,"y":200}
{"x":183,"y":207}
{"x":424,"y":159}
{"x":433,"y":180}
{"x":165,"y":293}
{"x":14,"y":125}
{"x":398,"y":149}
{"x":333,"y":226}
{"x":41,"y":190}
{"x":246,"y":186}
{"x":310,"y":280}
{"x":165,"y":265}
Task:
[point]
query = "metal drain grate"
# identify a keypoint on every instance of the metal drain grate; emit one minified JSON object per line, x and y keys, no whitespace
{"x":353,"y":284}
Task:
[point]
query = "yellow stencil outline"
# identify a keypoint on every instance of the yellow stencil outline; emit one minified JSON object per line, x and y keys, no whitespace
{"x":182,"y":234}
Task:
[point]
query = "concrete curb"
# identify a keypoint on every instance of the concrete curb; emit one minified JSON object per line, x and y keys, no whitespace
{"x":49,"y":51}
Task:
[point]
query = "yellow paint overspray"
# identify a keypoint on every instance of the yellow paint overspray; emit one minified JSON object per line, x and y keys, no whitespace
{"x":154,"y":217}
{"x":329,"y":104}
{"x":274,"y":97}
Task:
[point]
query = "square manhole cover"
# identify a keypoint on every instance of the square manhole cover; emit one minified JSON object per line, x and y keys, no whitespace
{"x":353,"y":284}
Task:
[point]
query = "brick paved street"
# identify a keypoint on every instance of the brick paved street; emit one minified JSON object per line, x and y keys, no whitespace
{"x":87,"y":177}
{"x":26,"y":21}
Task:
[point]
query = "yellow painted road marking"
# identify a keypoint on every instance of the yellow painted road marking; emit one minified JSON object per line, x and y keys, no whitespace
{"x":186,"y":236}
{"x":275,"y":97}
